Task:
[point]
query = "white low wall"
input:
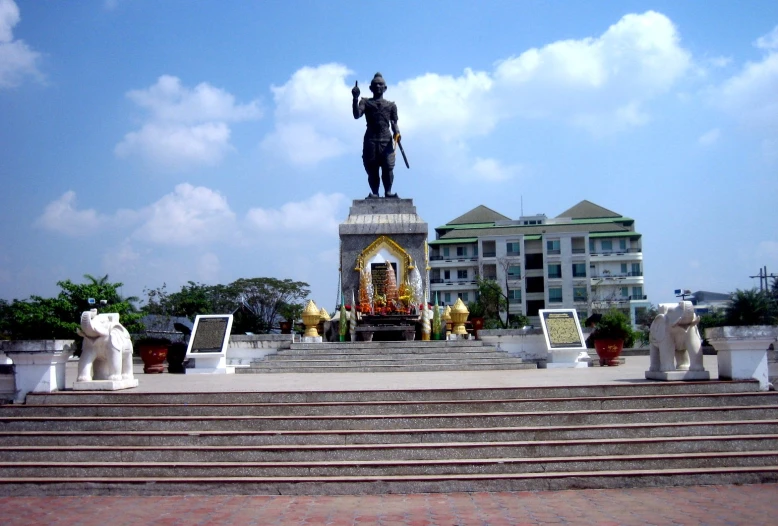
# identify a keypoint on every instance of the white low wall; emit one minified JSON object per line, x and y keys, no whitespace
{"x":243,"y":349}
{"x":527,"y":344}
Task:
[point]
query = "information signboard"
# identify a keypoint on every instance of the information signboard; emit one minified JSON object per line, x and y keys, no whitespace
{"x":210,"y":334}
{"x":561,"y":329}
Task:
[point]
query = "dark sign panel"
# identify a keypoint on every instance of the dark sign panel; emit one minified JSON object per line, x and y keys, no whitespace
{"x":209,"y":334}
{"x":562,"y":329}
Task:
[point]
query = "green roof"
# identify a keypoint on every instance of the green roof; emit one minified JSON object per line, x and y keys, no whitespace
{"x":458,"y":241}
{"x":533,"y":238}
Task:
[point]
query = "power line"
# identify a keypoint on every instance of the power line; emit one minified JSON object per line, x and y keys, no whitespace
{"x":763,"y":276}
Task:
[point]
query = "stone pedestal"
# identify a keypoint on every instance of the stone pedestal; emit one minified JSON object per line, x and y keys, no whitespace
{"x":742,"y":352}
{"x":39,"y":365}
{"x":677,"y":376}
{"x":105,"y":385}
{"x":204,"y":364}
{"x":573,"y":358}
{"x":368,"y":220}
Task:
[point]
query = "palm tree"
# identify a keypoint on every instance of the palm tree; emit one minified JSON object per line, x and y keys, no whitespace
{"x":751,"y":307}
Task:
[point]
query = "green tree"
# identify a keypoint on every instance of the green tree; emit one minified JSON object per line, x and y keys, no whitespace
{"x":44,"y":318}
{"x":265,"y":297}
{"x":492,"y":301}
{"x":751,"y":307}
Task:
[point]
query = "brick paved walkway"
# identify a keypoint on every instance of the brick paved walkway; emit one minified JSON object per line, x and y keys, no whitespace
{"x":696,"y":505}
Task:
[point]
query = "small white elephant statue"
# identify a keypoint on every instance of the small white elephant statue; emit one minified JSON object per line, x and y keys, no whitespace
{"x":107,"y":350}
{"x":675,"y":339}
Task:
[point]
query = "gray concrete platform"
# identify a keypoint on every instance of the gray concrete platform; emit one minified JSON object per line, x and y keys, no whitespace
{"x":632,"y":371}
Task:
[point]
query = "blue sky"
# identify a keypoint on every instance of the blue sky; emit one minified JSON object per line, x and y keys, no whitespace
{"x":167,"y":141}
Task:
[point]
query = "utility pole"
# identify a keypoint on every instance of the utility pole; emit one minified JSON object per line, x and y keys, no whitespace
{"x":764,"y":284}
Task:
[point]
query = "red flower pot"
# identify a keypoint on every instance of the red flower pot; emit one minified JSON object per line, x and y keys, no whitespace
{"x":153,"y":356}
{"x":609,"y":351}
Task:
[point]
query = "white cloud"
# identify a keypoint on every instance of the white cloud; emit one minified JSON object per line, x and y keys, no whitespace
{"x":319,"y":213}
{"x":17,"y":60}
{"x":63,"y":217}
{"x":710,"y":137}
{"x":188,"y":216}
{"x":768,"y":41}
{"x":768,"y":250}
{"x":493,"y":170}
{"x":751,"y":95}
{"x":208,"y":267}
{"x":185,"y":127}
{"x":602,"y":84}
{"x":122,"y":259}
{"x":313,"y":121}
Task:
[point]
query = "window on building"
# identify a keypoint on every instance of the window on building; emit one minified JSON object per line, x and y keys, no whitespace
{"x":591,"y":246}
{"x":623,"y":268}
{"x":622,"y":244}
{"x":636,"y":269}
{"x":555,"y":270}
{"x":555,"y":295}
{"x":464,"y":296}
{"x":533,"y":261}
{"x":579,"y":270}
{"x":512,"y":248}
{"x":637,"y":293}
{"x":514,"y":296}
{"x":461,"y":251}
{"x":552,"y":246}
{"x":606,"y":245}
{"x":514,"y":271}
{"x":475,"y":250}
{"x":624,"y":292}
{"x":447,"y":297}
{"x":579,"y":294}
{"x":462,"y":274}
{"x":534,"y":284}
{"x":446,"y":274}
{"x":446,"y":252}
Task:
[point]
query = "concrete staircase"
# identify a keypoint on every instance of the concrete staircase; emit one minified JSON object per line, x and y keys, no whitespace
{"x":372,"y":357}
{"x":350,"y":442}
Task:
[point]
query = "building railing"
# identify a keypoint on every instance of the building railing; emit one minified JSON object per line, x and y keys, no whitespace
{"x":579,"y":251}
{"x":613,"y":275}
{"x":555,"y":276}
{"x":579,"y":275}
{"x":554,"y":252}
{"x":511,"y":253}
{"x":616,"y":251}
{"x":438,"y":281}
{"x":490,"y":254}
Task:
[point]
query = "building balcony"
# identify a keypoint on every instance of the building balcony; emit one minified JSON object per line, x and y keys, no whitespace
{"x":615,"y":275}
{"x":512,"y":254}
{"x":579,"y":251}
{"x":554,"y":252}
{"x":489,"y":254}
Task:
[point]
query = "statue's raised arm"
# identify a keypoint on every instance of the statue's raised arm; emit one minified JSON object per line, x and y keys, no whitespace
{"x":378,"y":153}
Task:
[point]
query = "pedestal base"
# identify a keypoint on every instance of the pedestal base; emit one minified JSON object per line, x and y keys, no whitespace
{"x":312,"y":339}
{"x":678,"y":376}
{"x":105,"y":385}
{"x":203,"y":364}
{"x":39,"y":365}
{"x":567,"y":359}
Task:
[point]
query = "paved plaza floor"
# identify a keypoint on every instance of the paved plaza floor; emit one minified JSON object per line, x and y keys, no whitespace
{"x":695,"y":505}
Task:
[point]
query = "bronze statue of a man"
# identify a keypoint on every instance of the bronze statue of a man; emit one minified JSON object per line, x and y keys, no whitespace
{"x":378,"y":152}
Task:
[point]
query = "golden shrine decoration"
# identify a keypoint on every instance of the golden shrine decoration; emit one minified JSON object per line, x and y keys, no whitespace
{"x":385,"y":242}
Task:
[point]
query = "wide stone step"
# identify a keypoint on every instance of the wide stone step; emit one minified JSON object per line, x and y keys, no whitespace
{"x":161,"y":470}
{"x":411,"y":395}
{"x":417,"y":451}
{"x":387,"y":484}
{"x":385,"y":436}
{"x":480,"y":354}
{"x":388,"y":359}
{"x":378,"y":346}
{"x":395,"y":407}
{"x":397,"y":421}
{"x":266,"y":367}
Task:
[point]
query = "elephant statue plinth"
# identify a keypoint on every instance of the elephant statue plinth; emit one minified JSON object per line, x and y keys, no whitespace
{"x":106,"y":355}
{"x":676,"y":345}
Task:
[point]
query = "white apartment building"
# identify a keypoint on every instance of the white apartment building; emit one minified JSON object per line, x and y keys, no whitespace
{"x":588,"y":258}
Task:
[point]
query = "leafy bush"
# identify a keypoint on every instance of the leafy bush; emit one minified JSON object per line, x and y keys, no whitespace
{"x":614,"y":325}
